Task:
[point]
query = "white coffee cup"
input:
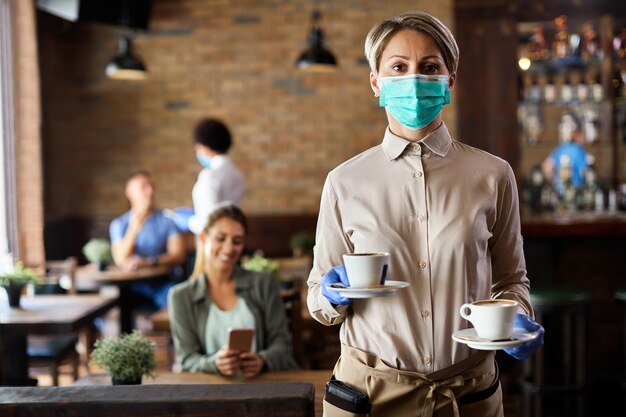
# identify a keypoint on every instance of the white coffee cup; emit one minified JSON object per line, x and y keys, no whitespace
{"x":492,"y":319}
{"x":366,"y":269}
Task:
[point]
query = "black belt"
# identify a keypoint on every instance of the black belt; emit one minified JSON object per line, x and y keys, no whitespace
{"x":473,"y":397}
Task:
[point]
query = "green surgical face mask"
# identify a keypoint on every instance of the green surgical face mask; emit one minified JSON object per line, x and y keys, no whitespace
{"x":414,"y":100}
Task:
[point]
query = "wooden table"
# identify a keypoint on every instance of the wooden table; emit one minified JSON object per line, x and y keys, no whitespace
{"x":88,"y":277}
{"x":42,"y":314}
{"x":318,"y":378}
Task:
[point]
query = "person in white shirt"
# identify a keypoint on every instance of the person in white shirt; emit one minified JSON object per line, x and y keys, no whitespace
{"x":220,"y":180}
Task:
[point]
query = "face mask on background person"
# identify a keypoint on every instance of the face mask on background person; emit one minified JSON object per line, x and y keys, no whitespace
{"x":204,"y":160}
{"x":414,"y":100}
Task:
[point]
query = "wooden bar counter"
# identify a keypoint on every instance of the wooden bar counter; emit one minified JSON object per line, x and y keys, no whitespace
{"x":586,"y":251}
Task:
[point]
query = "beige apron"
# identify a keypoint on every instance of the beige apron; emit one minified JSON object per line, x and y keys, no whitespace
{"x":394,"y":392}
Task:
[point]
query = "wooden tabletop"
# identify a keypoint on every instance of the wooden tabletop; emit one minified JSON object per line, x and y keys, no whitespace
{"x":54,"y":313}
{"x":88,"y":276}
{"x":317,"y":377}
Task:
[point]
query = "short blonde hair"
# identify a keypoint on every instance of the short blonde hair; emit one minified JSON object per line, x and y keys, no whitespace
{"x":379,"y":35}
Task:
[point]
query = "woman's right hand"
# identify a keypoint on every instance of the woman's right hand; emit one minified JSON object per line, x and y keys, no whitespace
{"x":227,"y":361}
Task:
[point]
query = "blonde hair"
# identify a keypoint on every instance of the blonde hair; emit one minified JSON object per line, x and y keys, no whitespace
{"x":226,"y":210}
{"x":379,"y":35}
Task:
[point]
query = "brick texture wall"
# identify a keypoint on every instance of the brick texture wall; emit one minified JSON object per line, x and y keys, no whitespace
{"x":229,"y":59}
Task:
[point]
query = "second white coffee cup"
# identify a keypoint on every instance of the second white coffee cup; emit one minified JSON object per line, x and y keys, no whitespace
{"x":366,"y":269}
{"x":492,"y":319}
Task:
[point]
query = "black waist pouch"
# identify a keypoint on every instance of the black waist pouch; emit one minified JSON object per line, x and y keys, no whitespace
{"x":347,"y":397}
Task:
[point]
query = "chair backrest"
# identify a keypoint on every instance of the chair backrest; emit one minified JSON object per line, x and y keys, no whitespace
{"x":62,"y":273}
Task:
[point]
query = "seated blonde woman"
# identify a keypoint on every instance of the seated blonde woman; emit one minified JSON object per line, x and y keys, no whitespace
{"x":218,"y":295}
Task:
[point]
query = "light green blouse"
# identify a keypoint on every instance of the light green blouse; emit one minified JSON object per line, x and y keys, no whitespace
{"x":220,"y":321}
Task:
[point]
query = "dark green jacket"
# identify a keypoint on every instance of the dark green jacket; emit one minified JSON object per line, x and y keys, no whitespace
{"x":189,"y":305}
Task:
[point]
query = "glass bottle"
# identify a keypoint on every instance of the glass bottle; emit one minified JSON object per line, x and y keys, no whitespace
{"x":561,"y":45}
{"x":597,"y":91}
{"x":549,"y":89}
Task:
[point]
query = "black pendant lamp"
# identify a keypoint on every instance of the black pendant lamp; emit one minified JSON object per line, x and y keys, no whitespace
{"x":125,"y":65}
{"x":316,"y":57}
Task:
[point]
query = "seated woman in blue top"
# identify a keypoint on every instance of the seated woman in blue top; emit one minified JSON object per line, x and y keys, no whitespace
{"x":218,"y":295}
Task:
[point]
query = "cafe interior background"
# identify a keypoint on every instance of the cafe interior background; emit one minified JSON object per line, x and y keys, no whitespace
{"x":76,"y":134}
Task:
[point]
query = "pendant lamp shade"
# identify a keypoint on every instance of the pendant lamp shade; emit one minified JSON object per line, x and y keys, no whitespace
{"x":316,"y":57}
{"x":124,"y":65}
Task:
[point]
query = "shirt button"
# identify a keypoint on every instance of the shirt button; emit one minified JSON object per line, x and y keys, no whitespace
{"x":418,"y":174}
{"x":420,"y":218}
{"x":425,"y":313}
{"x":422,"y":264}
{"x":426,"y":359}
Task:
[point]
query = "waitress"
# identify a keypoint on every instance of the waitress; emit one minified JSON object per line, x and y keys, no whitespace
{"x":447,"y":213}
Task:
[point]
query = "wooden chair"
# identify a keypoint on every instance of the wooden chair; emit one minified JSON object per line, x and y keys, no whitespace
{"x":51,"y":352}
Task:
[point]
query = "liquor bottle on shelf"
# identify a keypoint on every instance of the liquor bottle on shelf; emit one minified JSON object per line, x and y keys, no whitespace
{"x":533,"y":192}
{"x":589,"y":189}
{"x":549,"y":89}
{"x":618,"y":84}
{"x":597,"y":92}
{"x":622,"y":197}
{"x":561,"y":43}
{"x":537,"y":45}
{"x":590,"y":49}
{"x":567,"y":91}
{"x":568,"y":190}
{"x":581,"y":89}
{"x":620,"y":45}
{"x":534,"y":93}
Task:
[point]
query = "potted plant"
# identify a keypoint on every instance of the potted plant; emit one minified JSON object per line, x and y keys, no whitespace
{"x":126,"y":358}
{"x":302,"y":243}
{"x":98,"y":251}
{"x":13,"y":278}
{"x":258,"y":262}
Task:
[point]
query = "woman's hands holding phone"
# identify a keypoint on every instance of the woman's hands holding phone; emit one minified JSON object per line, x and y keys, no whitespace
{"x":229,"y":362}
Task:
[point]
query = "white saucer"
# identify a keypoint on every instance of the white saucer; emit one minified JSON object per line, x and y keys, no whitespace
{"x":390,"y":288}
{"x":518,"y":337}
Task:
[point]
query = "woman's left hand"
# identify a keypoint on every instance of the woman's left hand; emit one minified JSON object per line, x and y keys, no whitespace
{"x":526,"y":349}
{"x":251,"y":364}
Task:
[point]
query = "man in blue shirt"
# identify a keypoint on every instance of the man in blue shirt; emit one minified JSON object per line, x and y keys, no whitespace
{"x":145,"y":236}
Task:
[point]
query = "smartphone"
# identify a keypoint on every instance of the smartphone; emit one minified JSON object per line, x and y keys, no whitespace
{"x":240,"y":338}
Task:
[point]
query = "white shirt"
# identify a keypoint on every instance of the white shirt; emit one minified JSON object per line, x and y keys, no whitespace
{"x":222,"y":182}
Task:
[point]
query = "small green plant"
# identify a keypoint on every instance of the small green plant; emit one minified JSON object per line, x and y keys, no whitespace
{"x":301,"y":243}
{"x":258,"y":262}
{"x":126,"y":358}
{"x":98,"y":251}
{"x":18,"y":275}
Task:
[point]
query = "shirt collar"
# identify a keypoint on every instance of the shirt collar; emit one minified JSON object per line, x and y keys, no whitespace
{"x":218,"y":160}
{"x":200,"y":286}
{"x":438,"y":142}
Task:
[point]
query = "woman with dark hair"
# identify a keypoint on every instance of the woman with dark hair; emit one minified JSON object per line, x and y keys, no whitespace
{"x":220,"y":180}
{"x":218,"y":295}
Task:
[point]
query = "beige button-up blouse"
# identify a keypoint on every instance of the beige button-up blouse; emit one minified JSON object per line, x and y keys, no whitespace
{"x":448,"y":214}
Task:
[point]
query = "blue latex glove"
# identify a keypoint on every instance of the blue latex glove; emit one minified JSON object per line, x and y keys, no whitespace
{"x":336,"y":275}
{"x":522,"y":321}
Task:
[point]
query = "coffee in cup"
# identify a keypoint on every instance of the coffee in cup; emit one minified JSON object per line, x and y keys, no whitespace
{"x":366,"y":269}
{"x":492,"y":319}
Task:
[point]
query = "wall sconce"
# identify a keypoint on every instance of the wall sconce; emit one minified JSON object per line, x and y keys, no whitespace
{"x":316,"y":57}
{"x":125,"y":65}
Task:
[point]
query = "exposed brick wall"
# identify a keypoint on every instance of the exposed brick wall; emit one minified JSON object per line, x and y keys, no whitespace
{"x":229,"y":59}
{"x":27,"y":135}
